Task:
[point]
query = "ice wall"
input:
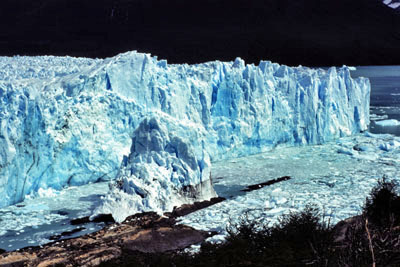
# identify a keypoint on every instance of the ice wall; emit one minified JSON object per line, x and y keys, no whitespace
{"x":68,"y":121}
{"x":161,"y":171}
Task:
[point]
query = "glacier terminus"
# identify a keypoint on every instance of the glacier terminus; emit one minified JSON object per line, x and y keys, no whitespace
{"x":155,"y":128}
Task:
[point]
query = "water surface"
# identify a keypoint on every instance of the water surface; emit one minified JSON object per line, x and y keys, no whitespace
{"x":385,"y":95}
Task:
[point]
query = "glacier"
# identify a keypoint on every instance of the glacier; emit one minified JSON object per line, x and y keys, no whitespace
{"x":154,"y":128}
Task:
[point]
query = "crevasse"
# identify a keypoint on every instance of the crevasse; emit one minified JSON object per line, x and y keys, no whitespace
{"x":70,"y":121}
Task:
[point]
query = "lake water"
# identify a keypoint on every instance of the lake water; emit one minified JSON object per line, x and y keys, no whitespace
{"x":385,"y":95}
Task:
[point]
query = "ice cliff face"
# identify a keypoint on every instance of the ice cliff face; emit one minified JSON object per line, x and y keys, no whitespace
{"x":162,"y":171}
{"x":156,"y":127}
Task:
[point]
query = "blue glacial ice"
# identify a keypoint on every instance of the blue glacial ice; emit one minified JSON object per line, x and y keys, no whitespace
{"x":155,"y":126}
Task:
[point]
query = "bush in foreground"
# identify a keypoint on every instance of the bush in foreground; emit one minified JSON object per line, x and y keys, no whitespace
{"x":299,"y":239}
{"x":382,"y":207}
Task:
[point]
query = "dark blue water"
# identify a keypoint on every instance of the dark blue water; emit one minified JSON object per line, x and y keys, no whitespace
{"x":385,"y":95}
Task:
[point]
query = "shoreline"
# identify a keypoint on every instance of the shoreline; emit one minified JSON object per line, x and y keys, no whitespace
{"x":144,"y":232}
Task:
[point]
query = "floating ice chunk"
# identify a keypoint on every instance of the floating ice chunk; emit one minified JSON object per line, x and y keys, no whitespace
{"x":276,"y":211}
{"x":385,"y":147}
{"x":375,"y":117}
{"x":364,"y":148}
{"x":388,"y":123}
{"x":377,"y":136}
{"x":281,"y":200}
{"x":217,"y":239}
{"x":330,"y":184}
{"x":371,"y":156}
{"x":346,"y":151}
{"x":49,"y":192}
{"x":277,"y":197}
{"x":35,"y":207}
{"x":276,"y":192}
{"x":391,"y":145}
{"x":270,"y":204}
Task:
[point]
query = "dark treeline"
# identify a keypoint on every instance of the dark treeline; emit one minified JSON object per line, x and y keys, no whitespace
{"x":307,"y":32}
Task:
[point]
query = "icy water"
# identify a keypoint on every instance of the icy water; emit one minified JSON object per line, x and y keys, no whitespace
{"x":336,"y":176}
{"x":34,"y":221}
{"x":385,"y":95}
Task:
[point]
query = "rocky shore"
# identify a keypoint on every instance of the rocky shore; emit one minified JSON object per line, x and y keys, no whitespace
{"x":145,"y":232}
